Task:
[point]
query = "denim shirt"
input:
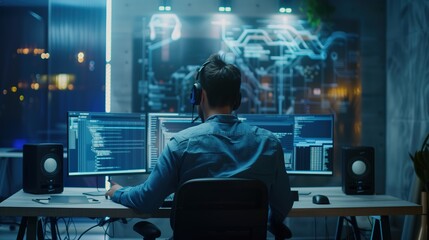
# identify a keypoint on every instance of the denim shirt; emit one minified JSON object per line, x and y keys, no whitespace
{"x":223,"y":146}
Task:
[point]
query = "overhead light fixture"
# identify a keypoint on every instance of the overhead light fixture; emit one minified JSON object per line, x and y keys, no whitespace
{"x":225,"y":6}
{"x":284,"y":6}
{"x":164,"y":6}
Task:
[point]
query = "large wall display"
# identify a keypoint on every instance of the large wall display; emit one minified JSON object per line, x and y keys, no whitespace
{"x":287,"y":67}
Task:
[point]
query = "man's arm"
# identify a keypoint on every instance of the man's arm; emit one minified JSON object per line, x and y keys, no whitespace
{"x":281,"y":199}
{"x":149,"y":196}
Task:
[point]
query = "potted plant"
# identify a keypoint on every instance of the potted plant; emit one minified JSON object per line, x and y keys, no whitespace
{"x":421,"y":163}
{"x":317,"y":11}
{"x":421,"y":166}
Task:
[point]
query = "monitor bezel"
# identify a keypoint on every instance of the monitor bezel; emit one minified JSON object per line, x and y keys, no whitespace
{"x":104,"y":173}
{"x":306,"y":172}
{"x":148,"y":133}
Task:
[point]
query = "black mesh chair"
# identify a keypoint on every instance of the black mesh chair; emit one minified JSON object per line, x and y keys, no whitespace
{"x":213,"y":208}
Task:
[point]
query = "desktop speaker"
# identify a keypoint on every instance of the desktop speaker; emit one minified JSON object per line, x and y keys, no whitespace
{"x":358,"y":170}
{"x":42,"y":168}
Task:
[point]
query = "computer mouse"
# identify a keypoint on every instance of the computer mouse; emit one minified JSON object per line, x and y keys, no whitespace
{"x":320,"y":199}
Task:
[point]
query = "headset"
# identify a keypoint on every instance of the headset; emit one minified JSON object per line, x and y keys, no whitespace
{"x":197,"y":89}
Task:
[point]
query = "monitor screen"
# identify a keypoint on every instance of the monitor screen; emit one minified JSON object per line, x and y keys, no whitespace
{"x":307,"y":140}
{"x":106,"y":143}
{"x":161,"y":127}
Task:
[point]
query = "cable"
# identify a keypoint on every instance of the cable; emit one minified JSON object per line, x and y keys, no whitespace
{"x":67,"y":229}
{"x":57,"y":228}
{"x":87,"y":230}
{"x":196,"y":118}
{"x":106,"y":231}
{"x":68,"y":223}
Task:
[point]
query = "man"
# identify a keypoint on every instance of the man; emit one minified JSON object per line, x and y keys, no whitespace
{"x":221,"y":146}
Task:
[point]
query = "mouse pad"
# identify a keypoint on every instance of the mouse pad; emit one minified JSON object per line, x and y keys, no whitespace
{"x":66,"y":199}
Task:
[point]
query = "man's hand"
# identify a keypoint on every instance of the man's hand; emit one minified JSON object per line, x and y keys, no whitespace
{"x":113,"y":187}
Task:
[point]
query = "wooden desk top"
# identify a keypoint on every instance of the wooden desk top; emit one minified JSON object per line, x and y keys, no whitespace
{"x":351,"y":205}
{"x":21,"y":204}
{"x":10,"y":153}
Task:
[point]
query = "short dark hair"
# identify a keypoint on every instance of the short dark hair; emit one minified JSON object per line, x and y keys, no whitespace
{"x":221,"y":81}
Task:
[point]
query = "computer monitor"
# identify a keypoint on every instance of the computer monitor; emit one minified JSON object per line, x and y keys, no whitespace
{"x":106,"y":144}
{"x":307,"y":140}
{"x":161,"y":127}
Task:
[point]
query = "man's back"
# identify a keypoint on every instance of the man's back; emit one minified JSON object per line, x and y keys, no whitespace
{"x":223,"y":146}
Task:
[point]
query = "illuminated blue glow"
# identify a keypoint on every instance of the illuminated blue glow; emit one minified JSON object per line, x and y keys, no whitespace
{"x":107,"y":104}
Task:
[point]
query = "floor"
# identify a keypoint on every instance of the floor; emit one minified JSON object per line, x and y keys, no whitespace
{"x":69,"y":229}
{"x":75,"y":229}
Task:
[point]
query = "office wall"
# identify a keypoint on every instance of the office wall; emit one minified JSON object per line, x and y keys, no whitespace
{"x":366,"y":119}
{"x":407,"y":121}
{"x":370,"y":17}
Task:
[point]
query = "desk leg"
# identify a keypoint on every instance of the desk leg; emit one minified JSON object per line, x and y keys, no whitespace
{"x":381,"y":228}
{"x":22,"y":228}
{"x":353,"y":222}
{"x":355,"y":227}
{"x":339,"y":228}
{"x":32,"y":226}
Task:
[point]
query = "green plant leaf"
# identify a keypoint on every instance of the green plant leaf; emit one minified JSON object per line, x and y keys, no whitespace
{"x":421,"y":162}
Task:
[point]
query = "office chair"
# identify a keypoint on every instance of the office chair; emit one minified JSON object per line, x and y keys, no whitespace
{"x":219,"y":208}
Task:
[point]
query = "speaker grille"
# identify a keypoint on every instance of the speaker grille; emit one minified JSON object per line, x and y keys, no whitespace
{"x":358,"y":170}
{"x":42,"y":168}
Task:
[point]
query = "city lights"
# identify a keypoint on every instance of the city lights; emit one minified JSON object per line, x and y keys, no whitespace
{"x":61,"y":82}
{"x":338,"y":92}
{"x":26,"y":51}
{"x":44,"y":56}
{"x":35,"y":86}
{"x":80,"y":57}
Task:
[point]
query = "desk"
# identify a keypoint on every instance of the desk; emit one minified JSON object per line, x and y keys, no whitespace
{"x":341,"y":205}
{"x":10,"y":160}
{"x":20,"y":204}
{"x":351,"y":205}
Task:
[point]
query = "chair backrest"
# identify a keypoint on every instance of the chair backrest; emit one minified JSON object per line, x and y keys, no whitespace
{"x":225,"y":208}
